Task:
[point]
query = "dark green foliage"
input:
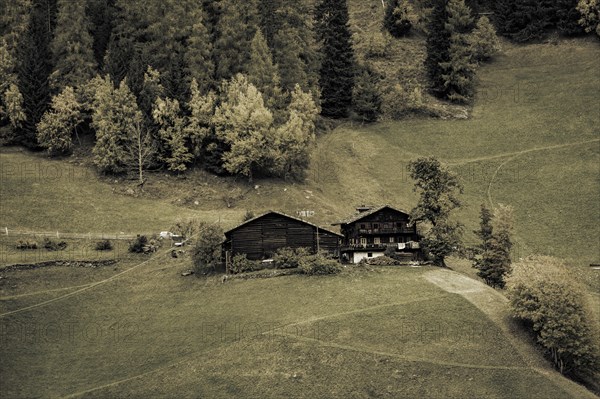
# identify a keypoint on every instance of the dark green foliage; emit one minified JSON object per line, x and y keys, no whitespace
{"x":319,"y":265}
{"x":198,"y":52}
{"x":268,"y":19}
{"x":544,"y":294}
{"x":289,"y":258}
{"x":396,"y":19}
{"x":524,"y":20}
{"x":101,"y":14}
{"x":336,"y":75}
{"x":206,"y":253}
{"x":72,"y":47}
{"x":568,"y":17}
{"x":34,"y":68}
{"x":236,"y":27}
{"x":137,"y":246}
{"x":52,"y":245}
{"x":366,"y":96}
{"x":438,"y":189}
{"x":104,"y":245}
{"x":438,"y":46}
{"x":492,"y":255}
{"x":241,"y":264}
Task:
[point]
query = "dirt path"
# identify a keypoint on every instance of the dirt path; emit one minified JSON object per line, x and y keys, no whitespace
{"x":495,"y":306}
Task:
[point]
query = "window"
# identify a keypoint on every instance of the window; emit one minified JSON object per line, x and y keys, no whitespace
{"x":363,"y":241}
{"x":392,"y":239}
{"x":376,"y":240}
{"x":375,"y":225}
{"x":362,"y":226}
{"x":369,"y":254}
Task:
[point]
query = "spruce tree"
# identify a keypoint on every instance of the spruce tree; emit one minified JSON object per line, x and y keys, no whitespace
{"x":295,"y":50}
{"x":115,"y":111}
{"x":72,"y":47}
{"x":458,"y":72}
{"x":262,"y":73}
{"x":198,"y":51}
{"x":438,"y":46}
{"x":366,"y":96}
{"x":336,"y":75}
{"x":101,"y":14}
{"x":236,"y":27}
{"x":167,"y":115}
{"x":397,"y":18}
{"x":55,"y":130}
{"x":34,"y":65}
{"x":483,"y":41}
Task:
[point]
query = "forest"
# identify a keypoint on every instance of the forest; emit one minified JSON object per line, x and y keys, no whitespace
{"x":237,"y":88}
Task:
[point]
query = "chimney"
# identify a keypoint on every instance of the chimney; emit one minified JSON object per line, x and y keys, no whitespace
{"x":363,"y":208}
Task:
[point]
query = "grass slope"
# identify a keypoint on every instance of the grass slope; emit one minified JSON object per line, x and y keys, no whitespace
{"x":389,"y":333}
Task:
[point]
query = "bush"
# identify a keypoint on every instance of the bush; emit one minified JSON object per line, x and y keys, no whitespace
{"x":383,"y":261}
{"x":138,"y":245}
{"x":206,"y":254}
{"x":554,"y":305}
{"x":241,"y":264}
{"x":483,"y":41}
{"x":104,"y":245}
{"x":399,"y":102}
{"x":26,"y":244}
{"x":289,"y":258}
{"x":398,"y":18}
{"x":318,"y":265}
{"x":52,"y":245}
{"x":377,"y":45}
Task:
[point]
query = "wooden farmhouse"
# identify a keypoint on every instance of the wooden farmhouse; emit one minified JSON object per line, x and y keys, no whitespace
{"x":369,"y":232}
{"x":261,"y":236}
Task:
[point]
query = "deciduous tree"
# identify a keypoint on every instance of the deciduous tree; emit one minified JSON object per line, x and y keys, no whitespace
{"x":55,"y":130}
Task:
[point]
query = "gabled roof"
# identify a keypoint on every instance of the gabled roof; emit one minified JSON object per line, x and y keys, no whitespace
{"x":361,"y":215}
{"x":284,"y":215}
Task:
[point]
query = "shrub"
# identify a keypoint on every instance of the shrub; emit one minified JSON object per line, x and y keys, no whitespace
{"x":241,"y":264}
{"x":248,"y":215}
{"x":483,"y":41}
{"x":289,"y":258}
{"x":206,"y":254}
{"x":26,"y":244}
{"x":52,"y":245}
{"x":104,"y":245}
{"x":398,"y":18}
{"x":138,"y":245}
{"x":318,"y":265}
{"x":554,"y":305}
{"x":383,"y":261}
{"x":377,"y":45}
{"x":400,"y":102}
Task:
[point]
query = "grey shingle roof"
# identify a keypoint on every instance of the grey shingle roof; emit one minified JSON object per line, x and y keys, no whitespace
{"x":371,"y":211}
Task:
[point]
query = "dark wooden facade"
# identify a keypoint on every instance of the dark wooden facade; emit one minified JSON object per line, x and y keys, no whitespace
{"x":372,"y":230}
{"x":260,"y":237}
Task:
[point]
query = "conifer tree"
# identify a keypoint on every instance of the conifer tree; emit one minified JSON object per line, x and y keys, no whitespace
{"x":171,"y":123}
{"x":115,"y":111}
{"x":295,"y":49}
{"x":198,"y":51}
{"x":262,"y":73}
{"x":201,"y":109}
{"x":458,"y":72}
{"x":34,"y":67}
{"x":11,"y":99}
{"x":397,"y":18}
{"x":336,"y":75}
{"x":244,"y":123}
{"x":55,"y":130}
{"x":438,"y":46}
{"x":72,"y":52}
{"x":483,"y":42}
{"x":236,"y":27}
{"x":269,"y":19}
{"x":366,"y":97}
{"x":568,"y":17}
{"x":294,"y":138}
{"x":101,"y":14}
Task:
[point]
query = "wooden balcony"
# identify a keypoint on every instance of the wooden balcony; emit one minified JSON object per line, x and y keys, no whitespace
{"x":395,"y":230}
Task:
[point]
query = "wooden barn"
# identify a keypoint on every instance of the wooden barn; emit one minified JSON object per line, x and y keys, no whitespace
{"x":261,"y":236}
{"x":372,"y":230}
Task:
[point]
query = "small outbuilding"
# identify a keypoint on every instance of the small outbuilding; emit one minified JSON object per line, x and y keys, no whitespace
{"x":260,"y":237}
